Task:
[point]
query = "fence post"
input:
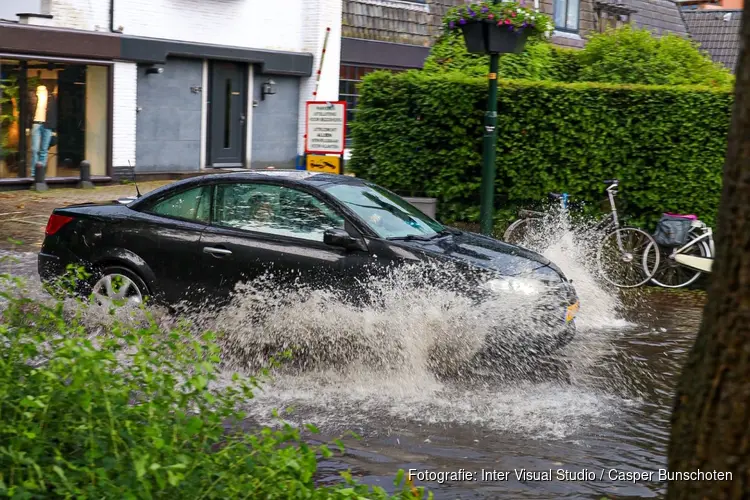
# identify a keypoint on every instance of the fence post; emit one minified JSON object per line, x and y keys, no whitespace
{"x":39,"y":184}
{"x":85,"y":182}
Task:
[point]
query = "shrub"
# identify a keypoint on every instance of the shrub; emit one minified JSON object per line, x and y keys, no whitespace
{"x":626,"y":55}
{"x":422,"y":134}
{"x":540,"y":61}
{"x":137,"y":413}
{"x":631,"y":55}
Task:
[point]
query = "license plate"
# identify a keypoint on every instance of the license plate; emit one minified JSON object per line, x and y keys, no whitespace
{"x":571,"y":312}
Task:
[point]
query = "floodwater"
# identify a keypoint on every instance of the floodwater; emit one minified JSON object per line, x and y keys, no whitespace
{"x":605,"y":412}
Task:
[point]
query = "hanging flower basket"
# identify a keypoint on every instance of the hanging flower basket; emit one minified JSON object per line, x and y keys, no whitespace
{"x":497,"y":28}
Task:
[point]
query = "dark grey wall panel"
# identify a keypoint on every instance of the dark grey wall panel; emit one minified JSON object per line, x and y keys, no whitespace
{"x":274,"y":140}
{"x":168,"y":125}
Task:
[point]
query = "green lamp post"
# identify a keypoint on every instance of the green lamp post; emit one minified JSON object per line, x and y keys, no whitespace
{"x":494,"y":28}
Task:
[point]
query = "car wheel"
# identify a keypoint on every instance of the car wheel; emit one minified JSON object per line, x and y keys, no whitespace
{"x":119,"y":284}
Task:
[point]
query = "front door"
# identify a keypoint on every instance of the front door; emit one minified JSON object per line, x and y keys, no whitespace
{"x":227,"y":104}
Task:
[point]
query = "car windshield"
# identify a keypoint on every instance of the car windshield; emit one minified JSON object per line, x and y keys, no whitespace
{"x":387,"y":214}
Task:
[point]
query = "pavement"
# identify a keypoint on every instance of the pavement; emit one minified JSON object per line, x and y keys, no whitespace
{"x":24,"y":214}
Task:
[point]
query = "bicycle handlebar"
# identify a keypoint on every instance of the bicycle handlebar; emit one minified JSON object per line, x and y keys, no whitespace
{"x":611,"y":181}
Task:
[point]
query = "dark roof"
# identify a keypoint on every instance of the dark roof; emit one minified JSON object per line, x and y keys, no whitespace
{"x":717,"y":31}
{"x":658,"y":16}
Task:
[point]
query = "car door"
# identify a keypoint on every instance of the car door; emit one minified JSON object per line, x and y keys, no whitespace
{"x":166,"y":235}
{"x":274,"y":232}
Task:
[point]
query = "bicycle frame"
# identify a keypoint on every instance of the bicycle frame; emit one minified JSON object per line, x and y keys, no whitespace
{"x":707,"y":234}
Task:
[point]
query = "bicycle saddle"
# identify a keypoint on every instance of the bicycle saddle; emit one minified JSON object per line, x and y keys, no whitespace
{"x":525,"y":214}
{"x":611,"y":181}
{"x":555,"y":196}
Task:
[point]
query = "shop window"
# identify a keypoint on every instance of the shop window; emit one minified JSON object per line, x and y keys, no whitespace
{"x":349,"y":78}
{"x":55,"y":115}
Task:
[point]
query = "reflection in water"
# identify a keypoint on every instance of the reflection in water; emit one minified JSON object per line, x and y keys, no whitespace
{"x":609,"y":410}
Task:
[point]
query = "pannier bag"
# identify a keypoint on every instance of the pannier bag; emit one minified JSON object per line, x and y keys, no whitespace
{"x":672,"y":230}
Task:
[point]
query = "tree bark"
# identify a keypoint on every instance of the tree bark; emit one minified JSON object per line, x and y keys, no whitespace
{"x":711,"y":418}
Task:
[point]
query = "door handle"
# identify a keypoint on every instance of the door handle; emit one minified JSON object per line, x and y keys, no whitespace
{"x":242,"y":119}
{"x":216,"y":252}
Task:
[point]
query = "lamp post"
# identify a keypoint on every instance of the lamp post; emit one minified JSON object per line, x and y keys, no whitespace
{"x":493,"y":30}
{"x":487,"y":190}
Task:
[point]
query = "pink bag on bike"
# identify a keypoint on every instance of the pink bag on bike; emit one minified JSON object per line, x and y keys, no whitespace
{"x":682,"y":216}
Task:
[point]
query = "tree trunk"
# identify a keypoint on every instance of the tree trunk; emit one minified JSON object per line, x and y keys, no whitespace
{"x":711,"y":418}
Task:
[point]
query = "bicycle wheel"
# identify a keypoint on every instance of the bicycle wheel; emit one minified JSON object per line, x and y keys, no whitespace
{"x":624,"y":258}
{"x":670,"y":274}
{"x":527,"y":233}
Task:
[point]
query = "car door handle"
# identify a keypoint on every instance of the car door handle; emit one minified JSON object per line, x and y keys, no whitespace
{"x":217,"y":252}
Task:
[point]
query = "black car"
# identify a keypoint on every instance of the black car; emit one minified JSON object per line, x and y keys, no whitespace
{"x":195,"y":239}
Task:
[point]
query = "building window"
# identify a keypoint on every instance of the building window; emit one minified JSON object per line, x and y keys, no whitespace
{"x":612,"y":16}
{"x":566,"y":15}
{"x":349,"y":79}
{"x":53,"y":114}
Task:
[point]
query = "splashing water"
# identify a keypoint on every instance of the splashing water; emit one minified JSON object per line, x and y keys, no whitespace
{"x":401,"y":357}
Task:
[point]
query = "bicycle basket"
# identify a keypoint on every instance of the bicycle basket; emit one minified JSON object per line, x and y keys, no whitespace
{"x":672,"y":231}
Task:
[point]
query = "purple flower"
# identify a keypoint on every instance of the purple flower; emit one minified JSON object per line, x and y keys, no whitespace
{"x":462,"y":21}
{"x":452,"y":24}
{"x":485,"y":9}
{"x":472,"y":13}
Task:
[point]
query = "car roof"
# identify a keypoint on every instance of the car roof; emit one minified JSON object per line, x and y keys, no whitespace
{"x":285,"y":176}
{"x":316,"y":180}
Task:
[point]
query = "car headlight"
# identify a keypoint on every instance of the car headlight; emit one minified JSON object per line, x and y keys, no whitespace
{"x":524,"y":286}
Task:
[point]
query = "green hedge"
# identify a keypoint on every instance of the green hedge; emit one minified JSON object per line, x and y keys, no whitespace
{"x":421,"y":134}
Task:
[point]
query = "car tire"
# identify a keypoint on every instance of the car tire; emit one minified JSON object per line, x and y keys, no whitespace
{"x":124,"y":283}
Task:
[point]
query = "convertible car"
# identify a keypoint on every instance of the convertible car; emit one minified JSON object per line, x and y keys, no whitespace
{"x":196,"y":239}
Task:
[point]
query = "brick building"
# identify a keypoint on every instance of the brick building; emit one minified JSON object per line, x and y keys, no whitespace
{"x":159,"y":86}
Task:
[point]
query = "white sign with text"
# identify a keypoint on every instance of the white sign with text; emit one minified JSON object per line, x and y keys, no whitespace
{"x":325,"y":127}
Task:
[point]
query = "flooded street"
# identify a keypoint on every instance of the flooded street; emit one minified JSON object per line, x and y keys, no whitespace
{"x":608,"y":411}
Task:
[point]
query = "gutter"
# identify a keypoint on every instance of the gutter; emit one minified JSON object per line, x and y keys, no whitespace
{"x":112,"y":17}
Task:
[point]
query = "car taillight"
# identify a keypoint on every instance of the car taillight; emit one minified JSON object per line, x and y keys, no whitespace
{"x":55,"y":223}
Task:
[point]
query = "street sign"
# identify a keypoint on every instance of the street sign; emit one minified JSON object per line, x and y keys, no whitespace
{"x":325,"y":127}
{"x":327,"y":164}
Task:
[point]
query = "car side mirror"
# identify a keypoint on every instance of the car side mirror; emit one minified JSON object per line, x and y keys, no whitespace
{"x":342,"y":239}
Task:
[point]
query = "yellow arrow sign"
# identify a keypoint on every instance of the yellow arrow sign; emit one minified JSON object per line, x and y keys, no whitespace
{"x":327,"y":164}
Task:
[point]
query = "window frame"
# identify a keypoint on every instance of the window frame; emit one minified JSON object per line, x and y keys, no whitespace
{"x":148,"y":207}
{"x":564,"y":28}
{"x":270,"y":235}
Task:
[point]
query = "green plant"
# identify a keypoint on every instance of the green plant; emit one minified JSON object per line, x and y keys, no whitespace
{"x":8,"y":102}
{"x":539,"y":61}
{"x":512,"y":14}
{"x":627,"y":55}
{"x":632,"y":55}
{"x":138,"y":413}
{"x":417,"y":132}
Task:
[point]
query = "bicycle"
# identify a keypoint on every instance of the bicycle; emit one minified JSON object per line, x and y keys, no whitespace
{"x":683,"y":264}
{"x":621,"y":247}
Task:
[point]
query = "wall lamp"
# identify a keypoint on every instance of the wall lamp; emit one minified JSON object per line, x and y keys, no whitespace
{"x":269,"y":88}
{"x":154,"y":70}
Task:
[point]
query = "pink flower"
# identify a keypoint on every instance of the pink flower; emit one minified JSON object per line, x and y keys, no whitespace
{"x":491,"y":17}
{"x":512,"y":14}
{"x":507,"y":21}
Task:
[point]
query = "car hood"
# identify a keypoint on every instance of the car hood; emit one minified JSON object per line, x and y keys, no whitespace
{"x":484,"y":252}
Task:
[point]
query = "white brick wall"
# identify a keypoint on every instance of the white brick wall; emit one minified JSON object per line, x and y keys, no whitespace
{"x":92,"y":15}
{"x":319,"y":15}
{"x":123,"y":129}
{"x":243,"y":23}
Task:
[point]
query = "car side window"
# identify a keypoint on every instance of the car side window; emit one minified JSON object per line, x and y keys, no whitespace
{"x":193,"y":204}
{"x":272,"y":209}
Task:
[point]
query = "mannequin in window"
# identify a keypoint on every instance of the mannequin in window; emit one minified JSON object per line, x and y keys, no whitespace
{"x":44,"y":122}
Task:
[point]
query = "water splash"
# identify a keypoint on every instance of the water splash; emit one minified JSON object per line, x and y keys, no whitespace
{"x":401,"y":358}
